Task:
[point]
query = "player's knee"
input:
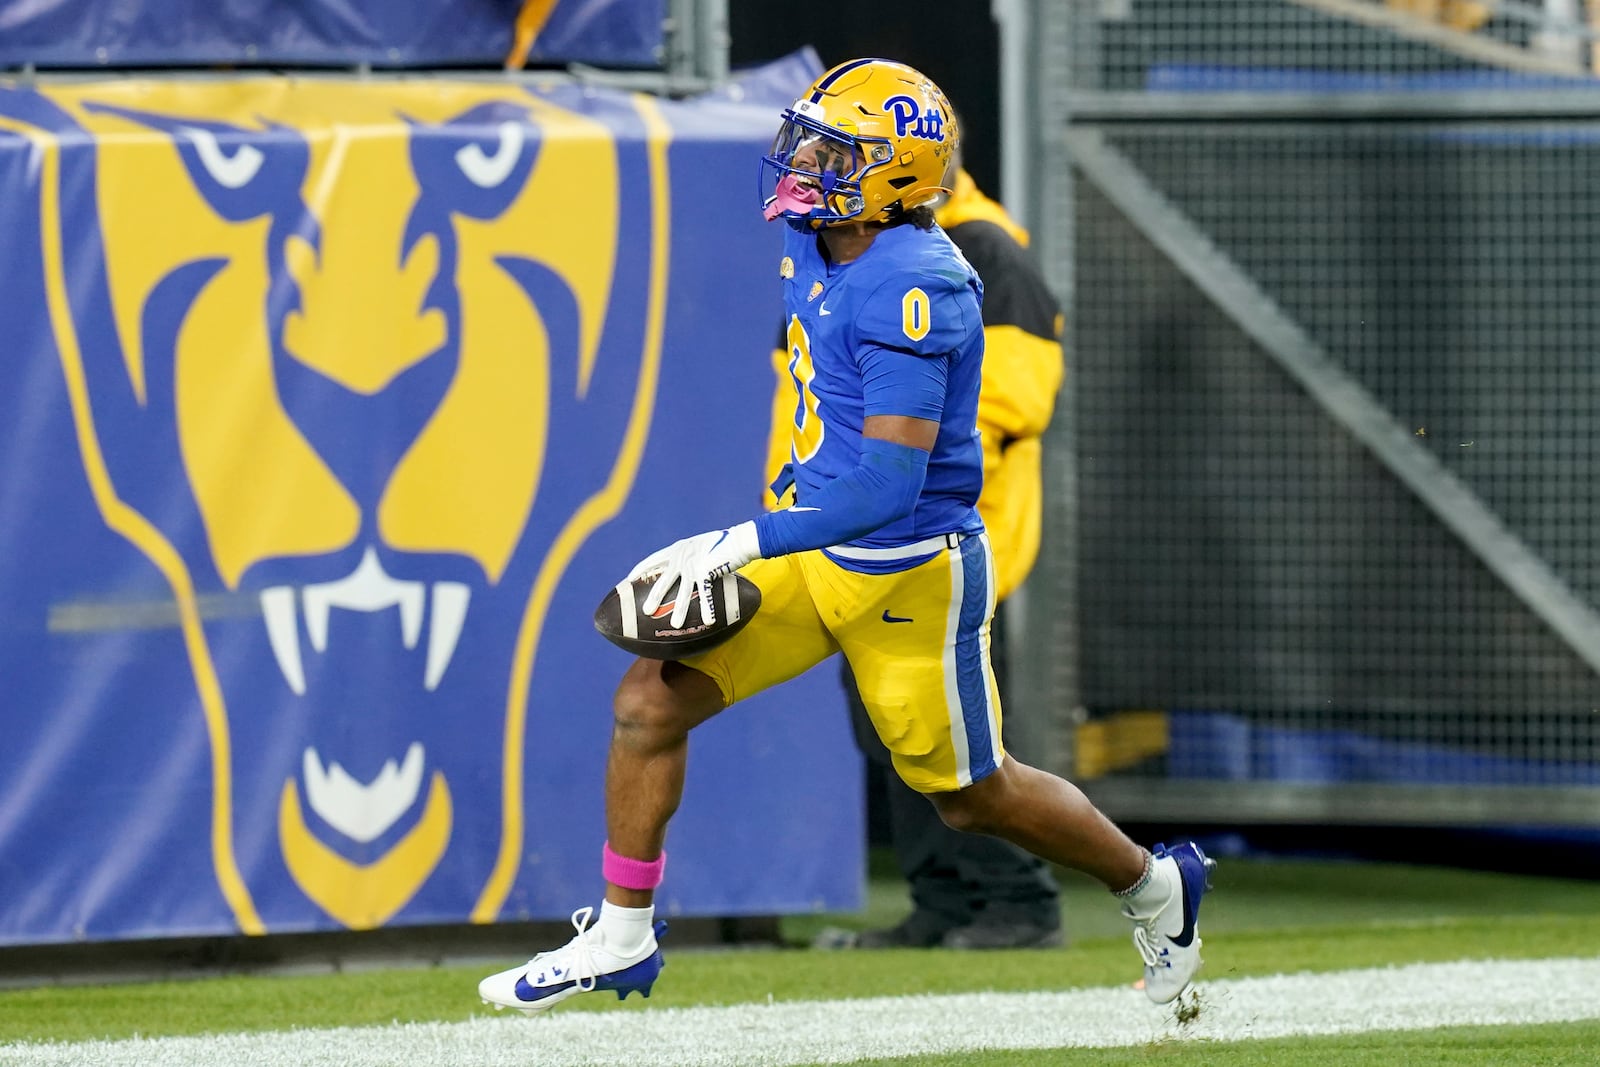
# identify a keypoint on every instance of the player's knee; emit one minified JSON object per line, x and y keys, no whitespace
{"x":965,"y":812}
{"x":652,"y":709}
{"x":984,"y":807}
{"x":644,"y":707}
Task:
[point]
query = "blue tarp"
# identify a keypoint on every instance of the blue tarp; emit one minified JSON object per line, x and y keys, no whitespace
{"x":1230,"y":747}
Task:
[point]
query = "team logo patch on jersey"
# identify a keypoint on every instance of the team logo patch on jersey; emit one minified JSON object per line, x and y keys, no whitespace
{"x":816,"y":291}
{"x":786,"y":268}
{"x":910,"y":120}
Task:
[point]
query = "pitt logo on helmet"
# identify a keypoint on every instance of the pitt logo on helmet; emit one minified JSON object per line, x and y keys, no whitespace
{"x":910,"y":120}
{"x":870,"y":141}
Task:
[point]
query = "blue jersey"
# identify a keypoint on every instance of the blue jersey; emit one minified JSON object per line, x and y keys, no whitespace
{"x":910,"y":293}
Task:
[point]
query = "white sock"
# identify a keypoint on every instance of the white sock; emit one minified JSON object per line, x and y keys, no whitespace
{"x":623,"y":931}
{"x":1156,"y":891}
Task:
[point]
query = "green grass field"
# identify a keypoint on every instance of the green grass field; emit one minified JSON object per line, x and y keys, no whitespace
{"x":1264,"y":918}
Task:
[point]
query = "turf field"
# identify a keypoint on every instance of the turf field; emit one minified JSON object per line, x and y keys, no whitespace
{"x":1364,"y":952}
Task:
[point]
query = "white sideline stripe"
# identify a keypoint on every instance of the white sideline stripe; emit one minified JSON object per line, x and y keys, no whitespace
{"x":1414,"y":997}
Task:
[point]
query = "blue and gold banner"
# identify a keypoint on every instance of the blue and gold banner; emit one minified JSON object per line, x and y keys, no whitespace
{"x":333,"y":409}
{"x":335,"y":33}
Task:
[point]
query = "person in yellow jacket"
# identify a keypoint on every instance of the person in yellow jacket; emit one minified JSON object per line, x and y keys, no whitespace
{"x":971,"y":891}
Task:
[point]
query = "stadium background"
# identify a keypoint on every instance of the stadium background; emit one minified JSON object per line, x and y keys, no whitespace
{"x":1321,"y":513}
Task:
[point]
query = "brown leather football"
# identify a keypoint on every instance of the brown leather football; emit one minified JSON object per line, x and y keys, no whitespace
{"x":621,"y":618}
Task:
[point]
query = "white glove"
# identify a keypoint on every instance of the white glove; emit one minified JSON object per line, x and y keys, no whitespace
{"x":693,"y":562}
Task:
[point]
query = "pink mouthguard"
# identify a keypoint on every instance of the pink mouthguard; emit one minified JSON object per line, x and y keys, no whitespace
{"x":791,"y":196}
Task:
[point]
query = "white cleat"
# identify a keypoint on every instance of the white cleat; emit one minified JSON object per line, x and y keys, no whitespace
{"x":1168,"y":939}
{"x":582,"y":965}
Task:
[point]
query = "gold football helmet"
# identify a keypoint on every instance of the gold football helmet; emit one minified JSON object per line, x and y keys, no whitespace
{"x":868,"y":141}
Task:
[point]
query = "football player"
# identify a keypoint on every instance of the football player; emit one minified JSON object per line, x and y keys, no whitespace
{"x":972,"y":890}
{"x":882,"y":555}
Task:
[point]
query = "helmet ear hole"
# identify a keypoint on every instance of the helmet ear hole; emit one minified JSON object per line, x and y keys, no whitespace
{"x":903,"y":181}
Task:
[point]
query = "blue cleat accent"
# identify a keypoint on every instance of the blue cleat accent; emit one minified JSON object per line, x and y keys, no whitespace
{"x":580,"y":966}
{"x":1195,"y":867}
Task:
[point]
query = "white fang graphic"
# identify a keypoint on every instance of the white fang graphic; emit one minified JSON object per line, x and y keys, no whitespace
{"x":283,"y":630}
{"x":444,"y":627}
{"x":368,"y":588}
{"x":363,"y":812}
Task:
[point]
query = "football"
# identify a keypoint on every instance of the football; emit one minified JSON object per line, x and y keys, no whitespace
{"x":621,"y":618}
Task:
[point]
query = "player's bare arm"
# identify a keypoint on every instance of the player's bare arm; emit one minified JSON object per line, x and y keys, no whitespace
{"x":902,"y":430}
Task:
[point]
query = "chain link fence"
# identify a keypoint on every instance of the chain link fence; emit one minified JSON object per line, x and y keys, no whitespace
{"x":1327,"y":517}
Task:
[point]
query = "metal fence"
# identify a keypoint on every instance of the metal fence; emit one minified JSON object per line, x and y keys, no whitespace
{"x":1323,"y":520}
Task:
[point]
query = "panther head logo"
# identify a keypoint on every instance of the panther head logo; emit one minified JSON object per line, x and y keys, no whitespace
{"x":358,"y":381}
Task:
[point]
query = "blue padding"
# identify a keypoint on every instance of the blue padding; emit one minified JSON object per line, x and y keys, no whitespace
{"x":1218,"y":745}
{"x":1542,"y":137}
{"x":1211,"y":78}
{"x":115,"y":729}
{"x":339,"y":33}
{"x":771,"y":83}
